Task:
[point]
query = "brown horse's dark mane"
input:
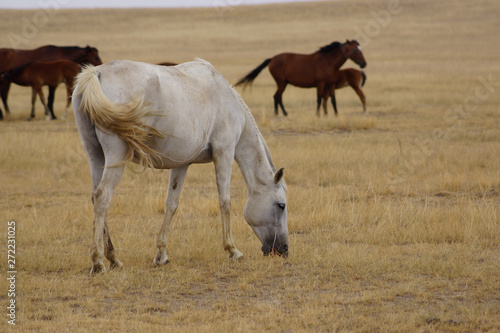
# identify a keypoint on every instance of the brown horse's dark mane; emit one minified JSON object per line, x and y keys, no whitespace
{"x":71,"y":49}
{"x":335,"y":46}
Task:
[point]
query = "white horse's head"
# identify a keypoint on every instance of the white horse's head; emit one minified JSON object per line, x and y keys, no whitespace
{"x":265,"y":212}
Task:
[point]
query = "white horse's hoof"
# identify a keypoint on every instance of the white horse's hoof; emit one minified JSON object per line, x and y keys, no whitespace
{"x":160,"y":260}
{"x":97,"y":269}
{"x":116,"y":264}
{"x":236,"y":255}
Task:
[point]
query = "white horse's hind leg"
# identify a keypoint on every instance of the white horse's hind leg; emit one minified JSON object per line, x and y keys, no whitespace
{"x":101,"y":198}
{"x":175,"y":181}
{"x":223,"y":164}
{"x":109,"y":249}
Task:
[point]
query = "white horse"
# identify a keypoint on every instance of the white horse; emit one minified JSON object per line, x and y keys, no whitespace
{"x":169,"y":118}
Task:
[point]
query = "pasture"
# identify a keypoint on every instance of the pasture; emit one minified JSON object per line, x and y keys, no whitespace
{"x":393,"y":214}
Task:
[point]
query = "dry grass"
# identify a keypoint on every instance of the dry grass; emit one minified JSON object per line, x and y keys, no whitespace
{"x":393,"y":214}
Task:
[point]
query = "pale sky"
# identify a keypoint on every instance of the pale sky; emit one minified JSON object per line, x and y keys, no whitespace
{"x":61,"y":4}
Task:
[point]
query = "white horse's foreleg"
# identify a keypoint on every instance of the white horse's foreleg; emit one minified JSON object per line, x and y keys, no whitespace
{"x":223,"y":166}
{"x":101,"y":198}
{"x":175,"y":181}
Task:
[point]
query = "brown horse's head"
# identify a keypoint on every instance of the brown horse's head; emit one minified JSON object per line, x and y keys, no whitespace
{"x":91,"y":56}
{"x":352,"y":51}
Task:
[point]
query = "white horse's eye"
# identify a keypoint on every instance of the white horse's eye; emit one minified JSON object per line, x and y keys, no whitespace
{"x":281,"y":205}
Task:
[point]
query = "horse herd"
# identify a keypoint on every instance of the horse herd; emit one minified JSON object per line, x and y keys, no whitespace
{"x":51,"y":65}
{"x":169,"y":117}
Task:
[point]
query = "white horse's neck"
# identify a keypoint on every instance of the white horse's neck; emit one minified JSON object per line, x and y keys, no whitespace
{"x":253,"y":157}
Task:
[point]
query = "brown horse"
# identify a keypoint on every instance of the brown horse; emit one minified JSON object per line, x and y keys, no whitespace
{"x":167,"y":64}
{"x":12,"y":58}
{"x":38,"y":74}
{"x":319,"y":69}
{"x":347,"y":77}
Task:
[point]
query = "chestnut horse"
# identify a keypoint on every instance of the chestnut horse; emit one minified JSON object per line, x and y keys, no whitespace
{"x":319,"y":69}
{"x":347,"y":77}
{"x":50,"y":73}
{"x":12,"y":58}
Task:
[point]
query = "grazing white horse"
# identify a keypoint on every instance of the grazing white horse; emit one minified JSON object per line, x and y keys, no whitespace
{"x":169,"y":118}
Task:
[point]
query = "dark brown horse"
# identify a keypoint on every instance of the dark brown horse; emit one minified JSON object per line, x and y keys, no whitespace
{"x":167,"y":64}
{"x":347,"y":77}
{"x":318,"y":69}
{"x":12,"y":58}
{"x":50,"y":73}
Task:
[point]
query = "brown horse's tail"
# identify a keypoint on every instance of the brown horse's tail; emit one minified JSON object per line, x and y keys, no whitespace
{"x":364,"y":78}
{"x":247,"y":80}
{"x":125,"y":120}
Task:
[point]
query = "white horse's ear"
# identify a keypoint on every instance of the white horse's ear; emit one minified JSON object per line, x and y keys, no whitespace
{"x":278,"y":175}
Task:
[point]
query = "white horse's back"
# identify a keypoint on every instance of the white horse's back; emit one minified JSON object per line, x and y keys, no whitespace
{"x":188,"y":101}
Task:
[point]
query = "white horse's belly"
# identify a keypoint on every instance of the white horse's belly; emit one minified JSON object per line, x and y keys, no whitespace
{"x":186,"y":131}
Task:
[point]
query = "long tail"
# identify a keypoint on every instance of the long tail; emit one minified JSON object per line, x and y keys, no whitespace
{"x":126,"y":120}
{"x":247,"y":80}
{"x":364,"y":78}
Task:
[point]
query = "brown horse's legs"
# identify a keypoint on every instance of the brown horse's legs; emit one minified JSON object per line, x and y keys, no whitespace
{"x":33,"y":100}
{"x":42,"y":99}
{"x":334,"y":102}
{"x":362,"y":97}
{"x":4,"y":92}
{"x":50,"y":104}
{"x":325,"y":104}
{"x":320,"y":91}
{"x":278,"y":101}
{"x":2,"y":83}
{"x":276,"y":104}
{"x":318,"y":104}
{"x":324,"y":98}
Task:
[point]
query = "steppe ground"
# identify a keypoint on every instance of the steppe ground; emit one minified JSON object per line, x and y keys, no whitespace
{"x":393,"y":214}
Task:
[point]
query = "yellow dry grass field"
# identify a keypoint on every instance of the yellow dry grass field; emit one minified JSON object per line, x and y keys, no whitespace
{"x":393,"y":214}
